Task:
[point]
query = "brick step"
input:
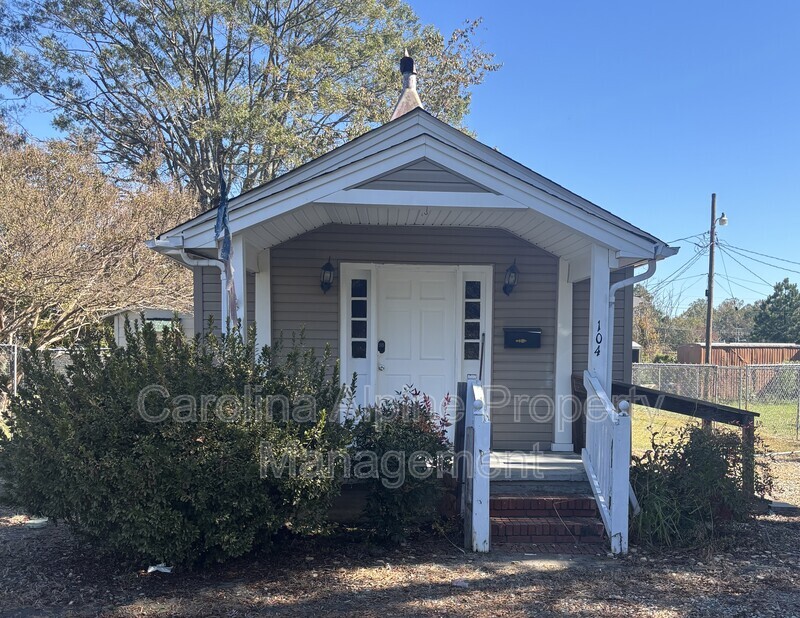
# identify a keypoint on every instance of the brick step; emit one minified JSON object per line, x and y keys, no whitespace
{"x":542,"y":506}
{"x":555,"y":549}
{"x":546,"y":530}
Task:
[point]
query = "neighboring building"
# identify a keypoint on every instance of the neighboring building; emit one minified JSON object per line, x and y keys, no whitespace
{"x":736,"y":354}
{"x":158,"y":317}
{"x":636,"y":351}
{"x":435,"y":253}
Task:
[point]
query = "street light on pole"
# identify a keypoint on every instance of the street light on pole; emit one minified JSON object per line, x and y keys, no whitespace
{"x":722,"y":221}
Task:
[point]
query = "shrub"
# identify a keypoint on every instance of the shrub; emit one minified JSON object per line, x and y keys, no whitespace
{"x":185,"y":485}
{"x":402,"y":447}
{"x":690,"y":484}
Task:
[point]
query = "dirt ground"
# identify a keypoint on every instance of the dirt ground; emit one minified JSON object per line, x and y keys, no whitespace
{"x":46,"y":572}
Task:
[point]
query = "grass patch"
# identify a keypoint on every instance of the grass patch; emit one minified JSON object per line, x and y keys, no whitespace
{"x":776,"y":425}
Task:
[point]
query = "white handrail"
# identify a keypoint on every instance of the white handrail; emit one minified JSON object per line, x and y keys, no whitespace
{"x":477,"y":443}
{"x":606,"y":458}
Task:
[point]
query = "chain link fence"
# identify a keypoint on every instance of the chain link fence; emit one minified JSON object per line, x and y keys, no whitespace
{"x":9,"y":355}
{"x":771,"y":390}
{"x":10,"y":371}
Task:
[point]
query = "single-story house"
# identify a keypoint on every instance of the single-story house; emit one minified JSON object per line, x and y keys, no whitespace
{"x":159,"y":318}
{"x":426,"y":258}
{"x":423,"y":256}
{"x":636,"y":352}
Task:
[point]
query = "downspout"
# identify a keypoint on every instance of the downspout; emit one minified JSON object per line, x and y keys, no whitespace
{"x":612,"y":301}
{"x":167,"y":248}
{"x":623,"y":410}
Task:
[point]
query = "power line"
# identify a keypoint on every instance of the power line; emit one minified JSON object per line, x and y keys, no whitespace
{"x":750,"y":281}
{"x":673,"y":277}
{"x":689,"y":277}
{"x":772,"y":257}
{"x":749,"y":257}
{"x":745,"y":288}
{"x":701,"y":235}
{"x":725,"y":269}
{"x":733,"y":257}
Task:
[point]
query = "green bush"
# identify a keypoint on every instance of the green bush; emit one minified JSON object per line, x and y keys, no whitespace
{"x":186,"y":485}
{"x":690,"y":484}
{"x":401,"y":448}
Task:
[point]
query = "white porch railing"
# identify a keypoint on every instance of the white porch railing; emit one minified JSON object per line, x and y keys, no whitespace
{"x":607,"y":458}
{"x":477,"y":439}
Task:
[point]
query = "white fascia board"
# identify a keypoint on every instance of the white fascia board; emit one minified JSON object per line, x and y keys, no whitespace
{"x":551,"y":206}
{"x":368,"y":144}
{"x":433,"y":199}
{"x":406,"y":150}
{"x":315,"y":189}
{"x":373,"y":141}
{"x":497,"y":159}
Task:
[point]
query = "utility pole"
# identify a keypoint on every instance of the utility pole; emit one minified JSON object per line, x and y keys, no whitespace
{"x":710,"y":289}
{"x":723,"y":221}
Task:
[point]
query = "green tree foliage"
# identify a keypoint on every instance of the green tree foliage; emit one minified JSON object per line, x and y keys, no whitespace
{"x":410,"y":442}
{"x":690,"y":486}
{"x":690,"y":325}
{"x":71,"y":249}
{"x":733,"y":321}
{"x":777,"y":318}
{"x":660,"y":329}
{"x":648,"y":321}
{"x":187,"y":486}
{"x":180,"y":87}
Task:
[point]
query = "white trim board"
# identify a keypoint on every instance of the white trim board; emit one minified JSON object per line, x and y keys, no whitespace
{"x":371,"y":271}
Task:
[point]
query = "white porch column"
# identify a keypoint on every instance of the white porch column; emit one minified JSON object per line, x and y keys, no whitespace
{"x":239,"y":263}
{"x":562,"y":433}
{"x":263,"y":301}
{"x":599,"y":339}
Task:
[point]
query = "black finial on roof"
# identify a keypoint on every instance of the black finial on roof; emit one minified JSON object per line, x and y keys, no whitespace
{"x":409,"y":99}
{"x":407,"y":64}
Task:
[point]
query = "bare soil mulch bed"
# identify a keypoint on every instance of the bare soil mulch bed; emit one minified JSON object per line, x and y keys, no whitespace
{"x":755,"y":572}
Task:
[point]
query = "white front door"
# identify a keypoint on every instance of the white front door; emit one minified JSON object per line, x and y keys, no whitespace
{"x":416,"y":331}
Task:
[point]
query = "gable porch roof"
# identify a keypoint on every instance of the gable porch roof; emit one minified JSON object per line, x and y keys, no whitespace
{"x":358,"y":183}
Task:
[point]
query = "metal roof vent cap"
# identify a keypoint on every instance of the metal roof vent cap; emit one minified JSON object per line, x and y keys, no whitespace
{"x":409,"y":99}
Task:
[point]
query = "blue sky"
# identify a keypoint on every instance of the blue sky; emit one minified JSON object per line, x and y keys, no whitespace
{"x":646,"y":108}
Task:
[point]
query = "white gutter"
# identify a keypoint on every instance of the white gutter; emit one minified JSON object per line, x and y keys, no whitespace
{"x":173,"y":247}
{"x":651,"y":270}
{"x":612,"y":292}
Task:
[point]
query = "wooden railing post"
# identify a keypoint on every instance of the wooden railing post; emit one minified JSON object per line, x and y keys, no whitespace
{"x":620,"y":484}
{"x":477,"y":529}
{"x":749,"y":459}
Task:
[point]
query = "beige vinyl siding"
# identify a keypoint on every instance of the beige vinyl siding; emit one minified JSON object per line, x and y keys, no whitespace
{"x":423,"y":176}
{"x":207,"y":297}
{"x":251,"y":297}
{"x":623,"y":327}
{"x":298,"y":303}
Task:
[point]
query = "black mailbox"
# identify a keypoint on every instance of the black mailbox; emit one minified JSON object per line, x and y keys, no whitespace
{"x":523,"y":337}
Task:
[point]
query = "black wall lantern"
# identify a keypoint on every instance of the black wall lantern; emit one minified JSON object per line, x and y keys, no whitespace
{"x":512,"y":275}
{"x":326,"y":276}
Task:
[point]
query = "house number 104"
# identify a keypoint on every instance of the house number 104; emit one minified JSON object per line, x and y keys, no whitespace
{"x":598,"y":339}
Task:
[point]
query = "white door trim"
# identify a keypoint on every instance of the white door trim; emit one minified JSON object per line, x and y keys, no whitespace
{"x":347,"y":270}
